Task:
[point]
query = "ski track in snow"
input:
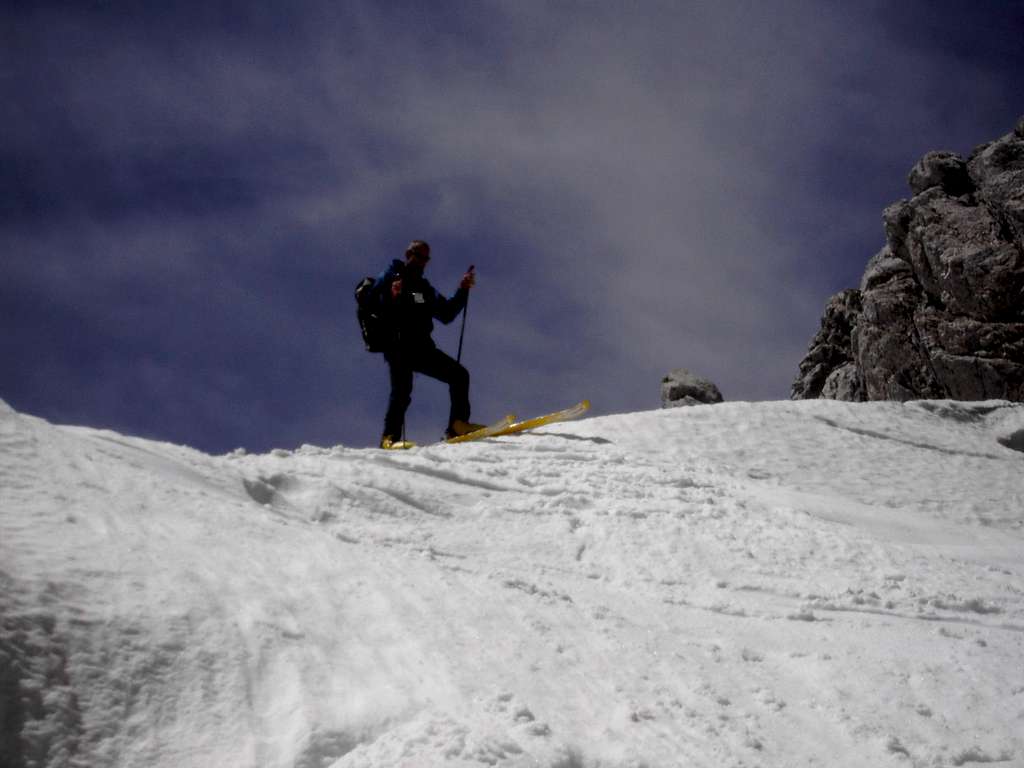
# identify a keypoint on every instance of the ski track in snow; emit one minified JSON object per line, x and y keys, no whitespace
{"x":768,"y":584}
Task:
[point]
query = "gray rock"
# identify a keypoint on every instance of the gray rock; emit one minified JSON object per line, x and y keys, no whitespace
{"x":960,"y":258}
{"x":975,"y":360}
{"x":940,"y":309}
{"x":997,"y":169}
{"x":832,"y":347}
{"x":882,"y":268}
{"x":844,"y":383}
{"x":945,"y":170}
{"x":681,"y":388}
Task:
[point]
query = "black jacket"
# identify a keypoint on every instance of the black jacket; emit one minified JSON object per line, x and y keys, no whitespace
{"x":410,"y":317}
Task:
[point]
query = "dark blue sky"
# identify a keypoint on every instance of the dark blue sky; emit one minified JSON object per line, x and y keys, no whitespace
{"x":191,"y":191}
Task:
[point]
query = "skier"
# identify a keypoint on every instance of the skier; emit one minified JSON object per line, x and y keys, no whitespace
{"x":409,"y":305}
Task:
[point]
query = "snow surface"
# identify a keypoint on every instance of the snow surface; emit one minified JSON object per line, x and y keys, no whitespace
{"x":769,"y":584}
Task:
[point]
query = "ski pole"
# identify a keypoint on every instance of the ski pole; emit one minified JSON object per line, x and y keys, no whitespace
{"x":465,"y":311}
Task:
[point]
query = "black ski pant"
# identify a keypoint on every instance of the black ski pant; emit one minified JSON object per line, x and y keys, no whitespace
{"x":430,"y":361}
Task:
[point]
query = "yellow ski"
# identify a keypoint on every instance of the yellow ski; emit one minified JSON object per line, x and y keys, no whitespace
{"x":566,"y":414}
{"x":488,"y":431}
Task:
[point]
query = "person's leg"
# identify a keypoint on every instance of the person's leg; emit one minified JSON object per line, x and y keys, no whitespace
{"x":400,"y":373}
{"x":438,"y":365}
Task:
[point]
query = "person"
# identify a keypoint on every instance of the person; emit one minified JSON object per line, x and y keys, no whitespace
{"x":410,"y":304}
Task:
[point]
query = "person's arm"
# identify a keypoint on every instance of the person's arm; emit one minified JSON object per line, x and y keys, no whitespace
{"x":382,"y":287}
{"x":447,"y":310}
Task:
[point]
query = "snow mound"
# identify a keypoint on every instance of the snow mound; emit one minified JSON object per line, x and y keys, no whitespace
{"x":767,"y":584}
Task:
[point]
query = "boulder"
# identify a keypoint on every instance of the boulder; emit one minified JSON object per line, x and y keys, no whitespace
{"x":940,"y":309}
{"x":997,"y":170}
{"x":945,"y":170}
{"x":831,"y":349}
{"x":844,"y":383}
{"x":680,"y":388}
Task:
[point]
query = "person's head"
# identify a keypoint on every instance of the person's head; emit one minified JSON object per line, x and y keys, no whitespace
{"x":417,"y":255}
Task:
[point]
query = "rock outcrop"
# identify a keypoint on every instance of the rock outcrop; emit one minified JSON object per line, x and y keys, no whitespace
{"x":680,"y":387}
{"x":828,"y":364}
{"x":940,"y":309}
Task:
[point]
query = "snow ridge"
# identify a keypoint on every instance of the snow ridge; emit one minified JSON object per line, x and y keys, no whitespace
{"x":764,"y":584}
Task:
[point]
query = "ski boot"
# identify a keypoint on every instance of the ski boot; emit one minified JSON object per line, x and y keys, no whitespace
{"x":388,"y":443}
{"x":458,"y":428}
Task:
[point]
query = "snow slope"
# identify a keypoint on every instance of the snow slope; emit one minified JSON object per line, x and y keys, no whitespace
{"x":771,"y":584}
